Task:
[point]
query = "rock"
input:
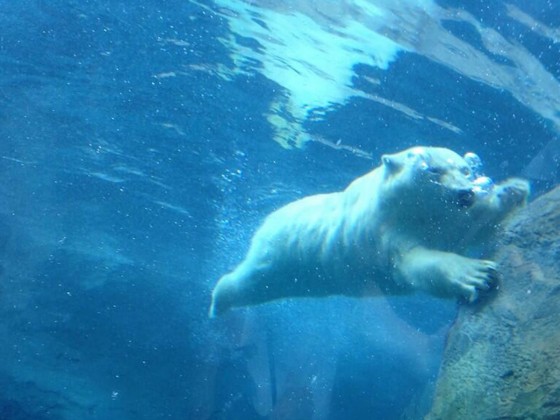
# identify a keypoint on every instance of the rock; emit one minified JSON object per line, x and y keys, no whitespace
{"x":502,"y":356}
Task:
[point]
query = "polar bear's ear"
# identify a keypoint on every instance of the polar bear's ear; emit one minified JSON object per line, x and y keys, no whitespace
{"x":391,"y":163}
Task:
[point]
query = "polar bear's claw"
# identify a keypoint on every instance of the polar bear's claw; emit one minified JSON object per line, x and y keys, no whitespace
{"x":482,"y":275}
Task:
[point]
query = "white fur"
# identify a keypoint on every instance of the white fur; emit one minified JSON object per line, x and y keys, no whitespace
{"x":395,"y":230}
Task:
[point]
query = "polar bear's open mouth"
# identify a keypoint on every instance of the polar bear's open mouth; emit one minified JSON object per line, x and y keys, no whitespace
{"x":465,"y":198}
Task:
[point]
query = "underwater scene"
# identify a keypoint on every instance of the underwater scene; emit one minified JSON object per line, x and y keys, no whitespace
{"x":266,"y":209}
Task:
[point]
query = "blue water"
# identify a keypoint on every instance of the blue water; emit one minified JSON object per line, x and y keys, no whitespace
{"x":137,"y":157}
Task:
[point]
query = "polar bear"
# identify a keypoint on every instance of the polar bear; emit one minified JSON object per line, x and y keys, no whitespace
{"x":396,"y":230}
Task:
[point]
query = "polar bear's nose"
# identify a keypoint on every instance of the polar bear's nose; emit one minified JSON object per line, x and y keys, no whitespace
{"x":465,"y":198}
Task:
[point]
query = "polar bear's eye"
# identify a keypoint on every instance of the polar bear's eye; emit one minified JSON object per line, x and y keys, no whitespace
{"x":465,"y":170}
{"x":424,"y":165}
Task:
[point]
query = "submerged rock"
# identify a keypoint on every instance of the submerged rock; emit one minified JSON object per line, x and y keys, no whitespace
{"x":502,"y":357}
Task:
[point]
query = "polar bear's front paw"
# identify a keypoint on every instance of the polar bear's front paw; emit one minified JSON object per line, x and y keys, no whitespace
{"x":445,"y":274}
{"x":474,"y":276}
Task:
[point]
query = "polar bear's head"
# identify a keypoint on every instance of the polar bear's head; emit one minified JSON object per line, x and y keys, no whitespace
{"x":431,"y":176}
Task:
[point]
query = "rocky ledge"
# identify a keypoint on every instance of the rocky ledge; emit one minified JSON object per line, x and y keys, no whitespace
{"x":502,"y":356}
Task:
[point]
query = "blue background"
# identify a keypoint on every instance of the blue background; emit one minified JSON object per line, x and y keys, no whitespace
{"x":125,"y":196}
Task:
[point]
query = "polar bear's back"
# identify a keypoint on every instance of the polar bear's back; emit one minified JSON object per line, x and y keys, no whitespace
{"x":302,"y":229}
